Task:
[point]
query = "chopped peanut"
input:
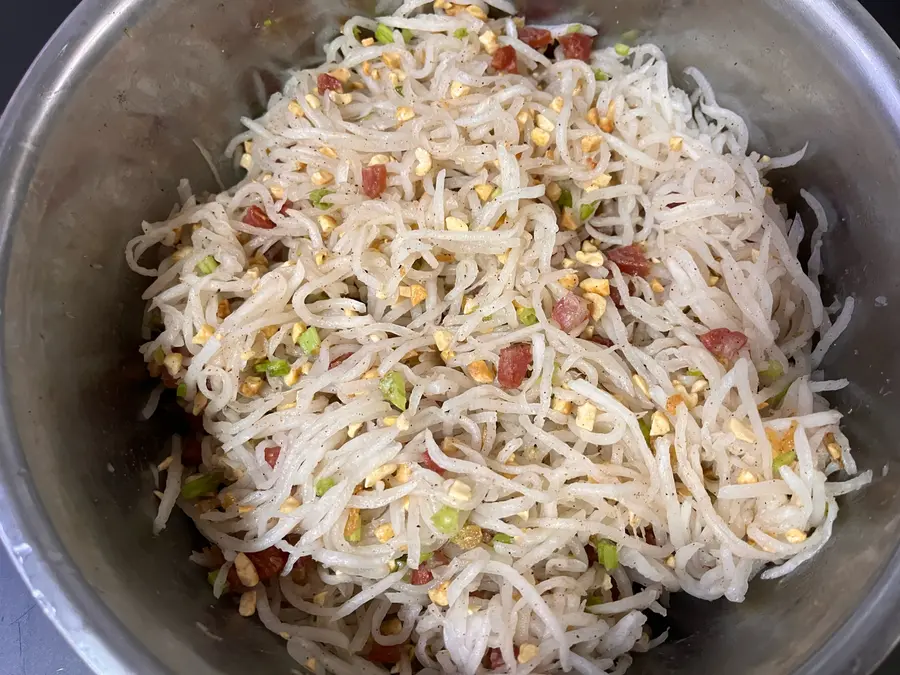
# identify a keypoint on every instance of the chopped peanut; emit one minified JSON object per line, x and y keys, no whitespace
{"x":405,"y":113}
{"x":455,"y":224}
{"x":484,"y":191}
{"x":544,"y":123}
{"x":354,"y":520}
{"x":417,"y":294}
{"x":379,"y":159}
{"x":313,"y":101}
{"x":424,"y":162}
{"x":598,"y":286}
{"x":557,"y":104}
{"x":561,"y":405}
{"x":540,"y":137}
{"x":380,"y":473}
{"x":585,"y":415}
{"x":481,"y":372}
{"x":342,"y":75}
{"x":247,"y":605}
{"x":403,"y":474}
{"x":746,"y":477}
{"x":554,"y":191}
{"x":442,"y":339}
{"x":598,"y":305}
{"x":245,"y":570}
{"x":391,"y":59}
{"x":569,"y":281}
{"x":567,"y":222}
{"x":659,"y":424}
{"x":392,"y":626}
{"x":594,"y":259}
{"x":656,"y":286}
{"x":173,"y":362}
{"x":206,"y":331}
{"x":290,"y":504}
{"x":488,"y":40}
{"x":438,"y":595}
{"x":458,"y":89}
{"x":523,"y":117}
{"x":676,"y":143}
{"x":741,"y":431}
{"x":384,"y":533}
{"x":795,"y":536}
{"x":296,"y":108}
{"x":600,"y":181}
{"x":527,"y":652}
{"x":477,"y":12}
{"x":468,"y":537}
{"x":328,"y":151}
{"x":251,"y":385}
{"x":591,"y":144}
{"x":459,"y":492}
{"x":322,"y":177}
{"x":326,"y":224}
{"x":353,"y":429}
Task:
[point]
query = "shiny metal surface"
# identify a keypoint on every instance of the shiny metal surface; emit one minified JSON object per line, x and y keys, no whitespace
{"x":99,"y":134}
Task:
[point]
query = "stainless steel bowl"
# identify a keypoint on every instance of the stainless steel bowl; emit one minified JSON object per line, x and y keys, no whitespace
{"x":96,"y":139}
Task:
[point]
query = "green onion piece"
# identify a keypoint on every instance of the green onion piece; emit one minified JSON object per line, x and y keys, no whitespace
{"x":316,"y":196}
{"x":773,"y":370}
{"x":574,"y":28}
{"x":695,"y":372}
{"x":527,"y":316}
{"x":630,"y":35}
{"x":323,"y":485}
{"x":273,"y":367}
{"x":357,"y":33}
{"x":607,"y":553}
{"x":565,"y":199}
{"x":500,"y":538}
{"x":399,"y":89}
{"x":460,"y":33}
{"x":622,"y":50}
{"x":384,"y":34}
{"x":211,"y":577}
{"x":600,"y":76}
{"x":356,"y":535}
{"x":181,"y":392}
{"x":393,"y":388}
{"x":309,"y":341}
{"x":207,"y":266}
{"x":446,"y":520}
{"x":159,"y":355}
{"x":207,"y":483}
{"x":587,"y":210}
{"x":594,"y":600}
{"x":644,"y":424}
{"x":425,"y":556}
{"x":407,"y":35}
{"x":784,"y":459}
{"x":778,"y":398}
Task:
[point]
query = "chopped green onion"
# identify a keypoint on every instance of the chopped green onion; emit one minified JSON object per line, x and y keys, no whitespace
{"x":357,"y":33}
{"x":587,"y":210}
{"x":527,"y":316}
{"x":273,"y":367}
{"x":644,"y":424}
{"x":784,"y":459}
{"x":181,"y":392}
{"x":695,"y":372}
{"x":425,"y":556}
{"x":316,"y":196}
{"x":778,"y":398}
{"x":211,"y":577}
{"x":773,"y":370}
{"x":309,"y":341}
{"x":607,"y":553}
{"x":267,"y":23}
{"x":207,"y":483}
{"x":460,"y":33}
{"x":323,"y":485}
{"x":393,"y":388}
{"x":500,"y":538}
{"x":384,"y":34}
{"x":356,"y":534}
{"x":407,"y":35}
{"x":565,"y":198}
{"x":159,"y":355}
{"x":207,"y":266}
{"x":630,"y":35}
{"x":446,"y":520}
{"x":600,"y":76}
{"x":399,"y":89}
{"x":622,"y":50}
{"x":574,"y":28}
{"x":594,"y":600}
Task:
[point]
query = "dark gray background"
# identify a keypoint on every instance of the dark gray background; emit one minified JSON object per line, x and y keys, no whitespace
{"x":29,"y":644}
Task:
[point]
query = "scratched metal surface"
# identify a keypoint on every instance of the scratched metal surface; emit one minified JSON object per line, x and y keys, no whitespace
{"x":29,"y":643}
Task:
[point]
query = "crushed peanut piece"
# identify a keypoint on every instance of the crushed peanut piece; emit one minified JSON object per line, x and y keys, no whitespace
{"x":484,"y":191}
{"x":328,"y":151}
{"x":353,"y":429}
{"x":417,"y":294}
{"x":206,"y":331}
{"x":390,"y":421}
{"x":746,"y":477}
{"x":488,"y":40}
{"x":200,"y":402}
{"x":656,"y":286}
{"x":384,"y":533}
{"x":585,"y":415}
{"x":455,"y":224}
{"x":554,"y":191}
{"x":379,"y":159}
{"x":322,"y":177}
{"x":245,"y":570}
{"x":557,"y":104}
{"x":392,"y":626}
{"x":527,"y":652}
{"x":561,"y":405}
{"x":795,"y":536}
{"x":173,"y":362}
{"x":598,"y":305}
{"x":594,"y":259}
{"x":342,"y":75}
{"x":459,"y":492}
{"x":591,"y":144}
{"x":423,"y":162}
{"x":354,"y":521}
{"x":468,"y":537}
{"x":296,"y":108}
{"x":477,"y":12}
{"x":523,"y":117}
{"x":481,"y":372}
{"x":251,"y":385}
{"x":403,"y":474}
{"x":569,"y":281}
{"x":405,"y":113}
{"x":247,"y":606}
{"x":659,"y":424}
{"x":469,"y":305}
{"x":438,"y":594}
{"x":442,"y":339}
{"x":391,"y":59}
{"x":458,"y":89}
{"x":741,"y":431}
{"x":676,"y":143}
{"x":601,"y":181}
{"x":598,"y":286}
{"x":313,"y":101}
{"x":290,"y":504}
{"x":567,"y":222}
{"x":540,"y":137}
